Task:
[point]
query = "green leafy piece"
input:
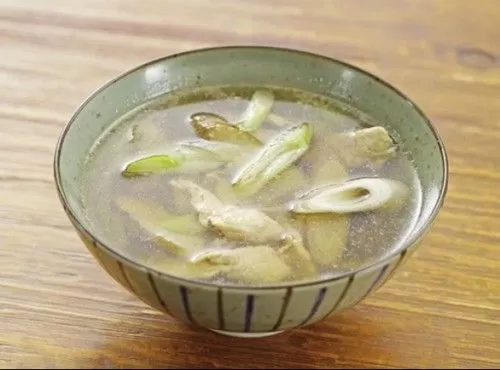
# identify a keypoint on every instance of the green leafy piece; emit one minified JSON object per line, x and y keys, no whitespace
{"x":193,"y":156}
{"x":276,"y":156}
{"x":152,"y":164}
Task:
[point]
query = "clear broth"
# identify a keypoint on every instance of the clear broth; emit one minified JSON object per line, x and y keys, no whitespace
{"x":165,"y":120}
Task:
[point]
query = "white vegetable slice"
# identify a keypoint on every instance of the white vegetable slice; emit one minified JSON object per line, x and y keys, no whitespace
{"x":257,"y":111}
{"x":359,"y":195}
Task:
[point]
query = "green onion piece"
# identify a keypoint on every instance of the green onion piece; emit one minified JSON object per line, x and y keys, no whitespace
{"x":257,"y":111}
{"x":187,"y":157}
{"x":277,"y":155}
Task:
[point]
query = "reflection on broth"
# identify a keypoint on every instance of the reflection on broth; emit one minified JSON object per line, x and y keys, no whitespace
{"x":253,"y":185}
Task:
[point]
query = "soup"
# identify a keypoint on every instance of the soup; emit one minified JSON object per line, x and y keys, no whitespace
{"x":249,"y":184}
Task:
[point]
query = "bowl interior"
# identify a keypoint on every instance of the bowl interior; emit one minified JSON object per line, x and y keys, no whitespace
{"x":254,"y":65}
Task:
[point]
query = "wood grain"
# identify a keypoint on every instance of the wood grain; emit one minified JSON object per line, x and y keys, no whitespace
{"x":58,"y":308}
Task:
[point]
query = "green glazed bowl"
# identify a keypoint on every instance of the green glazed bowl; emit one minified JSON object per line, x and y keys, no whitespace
{"x":239,"y":310}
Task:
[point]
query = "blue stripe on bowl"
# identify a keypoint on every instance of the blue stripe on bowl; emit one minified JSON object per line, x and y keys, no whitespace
{"x":185,"y":303}
{"x":125,"y":277}
{"x":375,"y":282}
{"x":249,"y":312}
{"x":159,"y":298}
{"x":220,"y":309}
{"x":401,"y":259}
{"x":379,"y":279}
{"x":317,"y":303}
{"x":97,"y":256}
{"x":342,"y":296}
{"x":286,"y":301}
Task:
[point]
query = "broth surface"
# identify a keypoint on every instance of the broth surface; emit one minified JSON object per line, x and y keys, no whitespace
{"x":161,"y":123}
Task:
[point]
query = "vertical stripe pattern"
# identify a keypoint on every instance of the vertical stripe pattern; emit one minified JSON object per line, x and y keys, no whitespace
{"x":375,"y":282}
{"x":125,"y":277}
{"x":342,"y":296}
{"x":157,"y":294}
{"x":317,"y":303}
{"x":401,"y":258}
{"x":220,"y":309}
{"x":249,"y":312}
{"x":185,"y":303}
{"x":286,"y":301}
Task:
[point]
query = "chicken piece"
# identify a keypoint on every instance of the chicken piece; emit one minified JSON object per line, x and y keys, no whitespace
{"x":246,"y":224}
{"x":374,"y":142}
{"x":255,"y":265}
{"x":188,"y":270}
{"x":203,"y":201}
{"x":366,"y":145}
{"x":237,"y":223}
{"x":296,"y":255}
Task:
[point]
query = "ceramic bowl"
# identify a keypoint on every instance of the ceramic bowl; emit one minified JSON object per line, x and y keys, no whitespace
{"x":238,"y":310}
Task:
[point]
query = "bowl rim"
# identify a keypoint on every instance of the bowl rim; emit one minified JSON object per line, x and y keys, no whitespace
{"x":414,"y":237}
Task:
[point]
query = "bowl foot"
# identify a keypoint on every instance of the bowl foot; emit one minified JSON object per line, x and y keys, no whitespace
{"x":246,"y":335}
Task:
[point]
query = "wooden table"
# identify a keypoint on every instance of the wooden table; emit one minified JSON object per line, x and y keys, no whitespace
{"x":58,"y":308}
